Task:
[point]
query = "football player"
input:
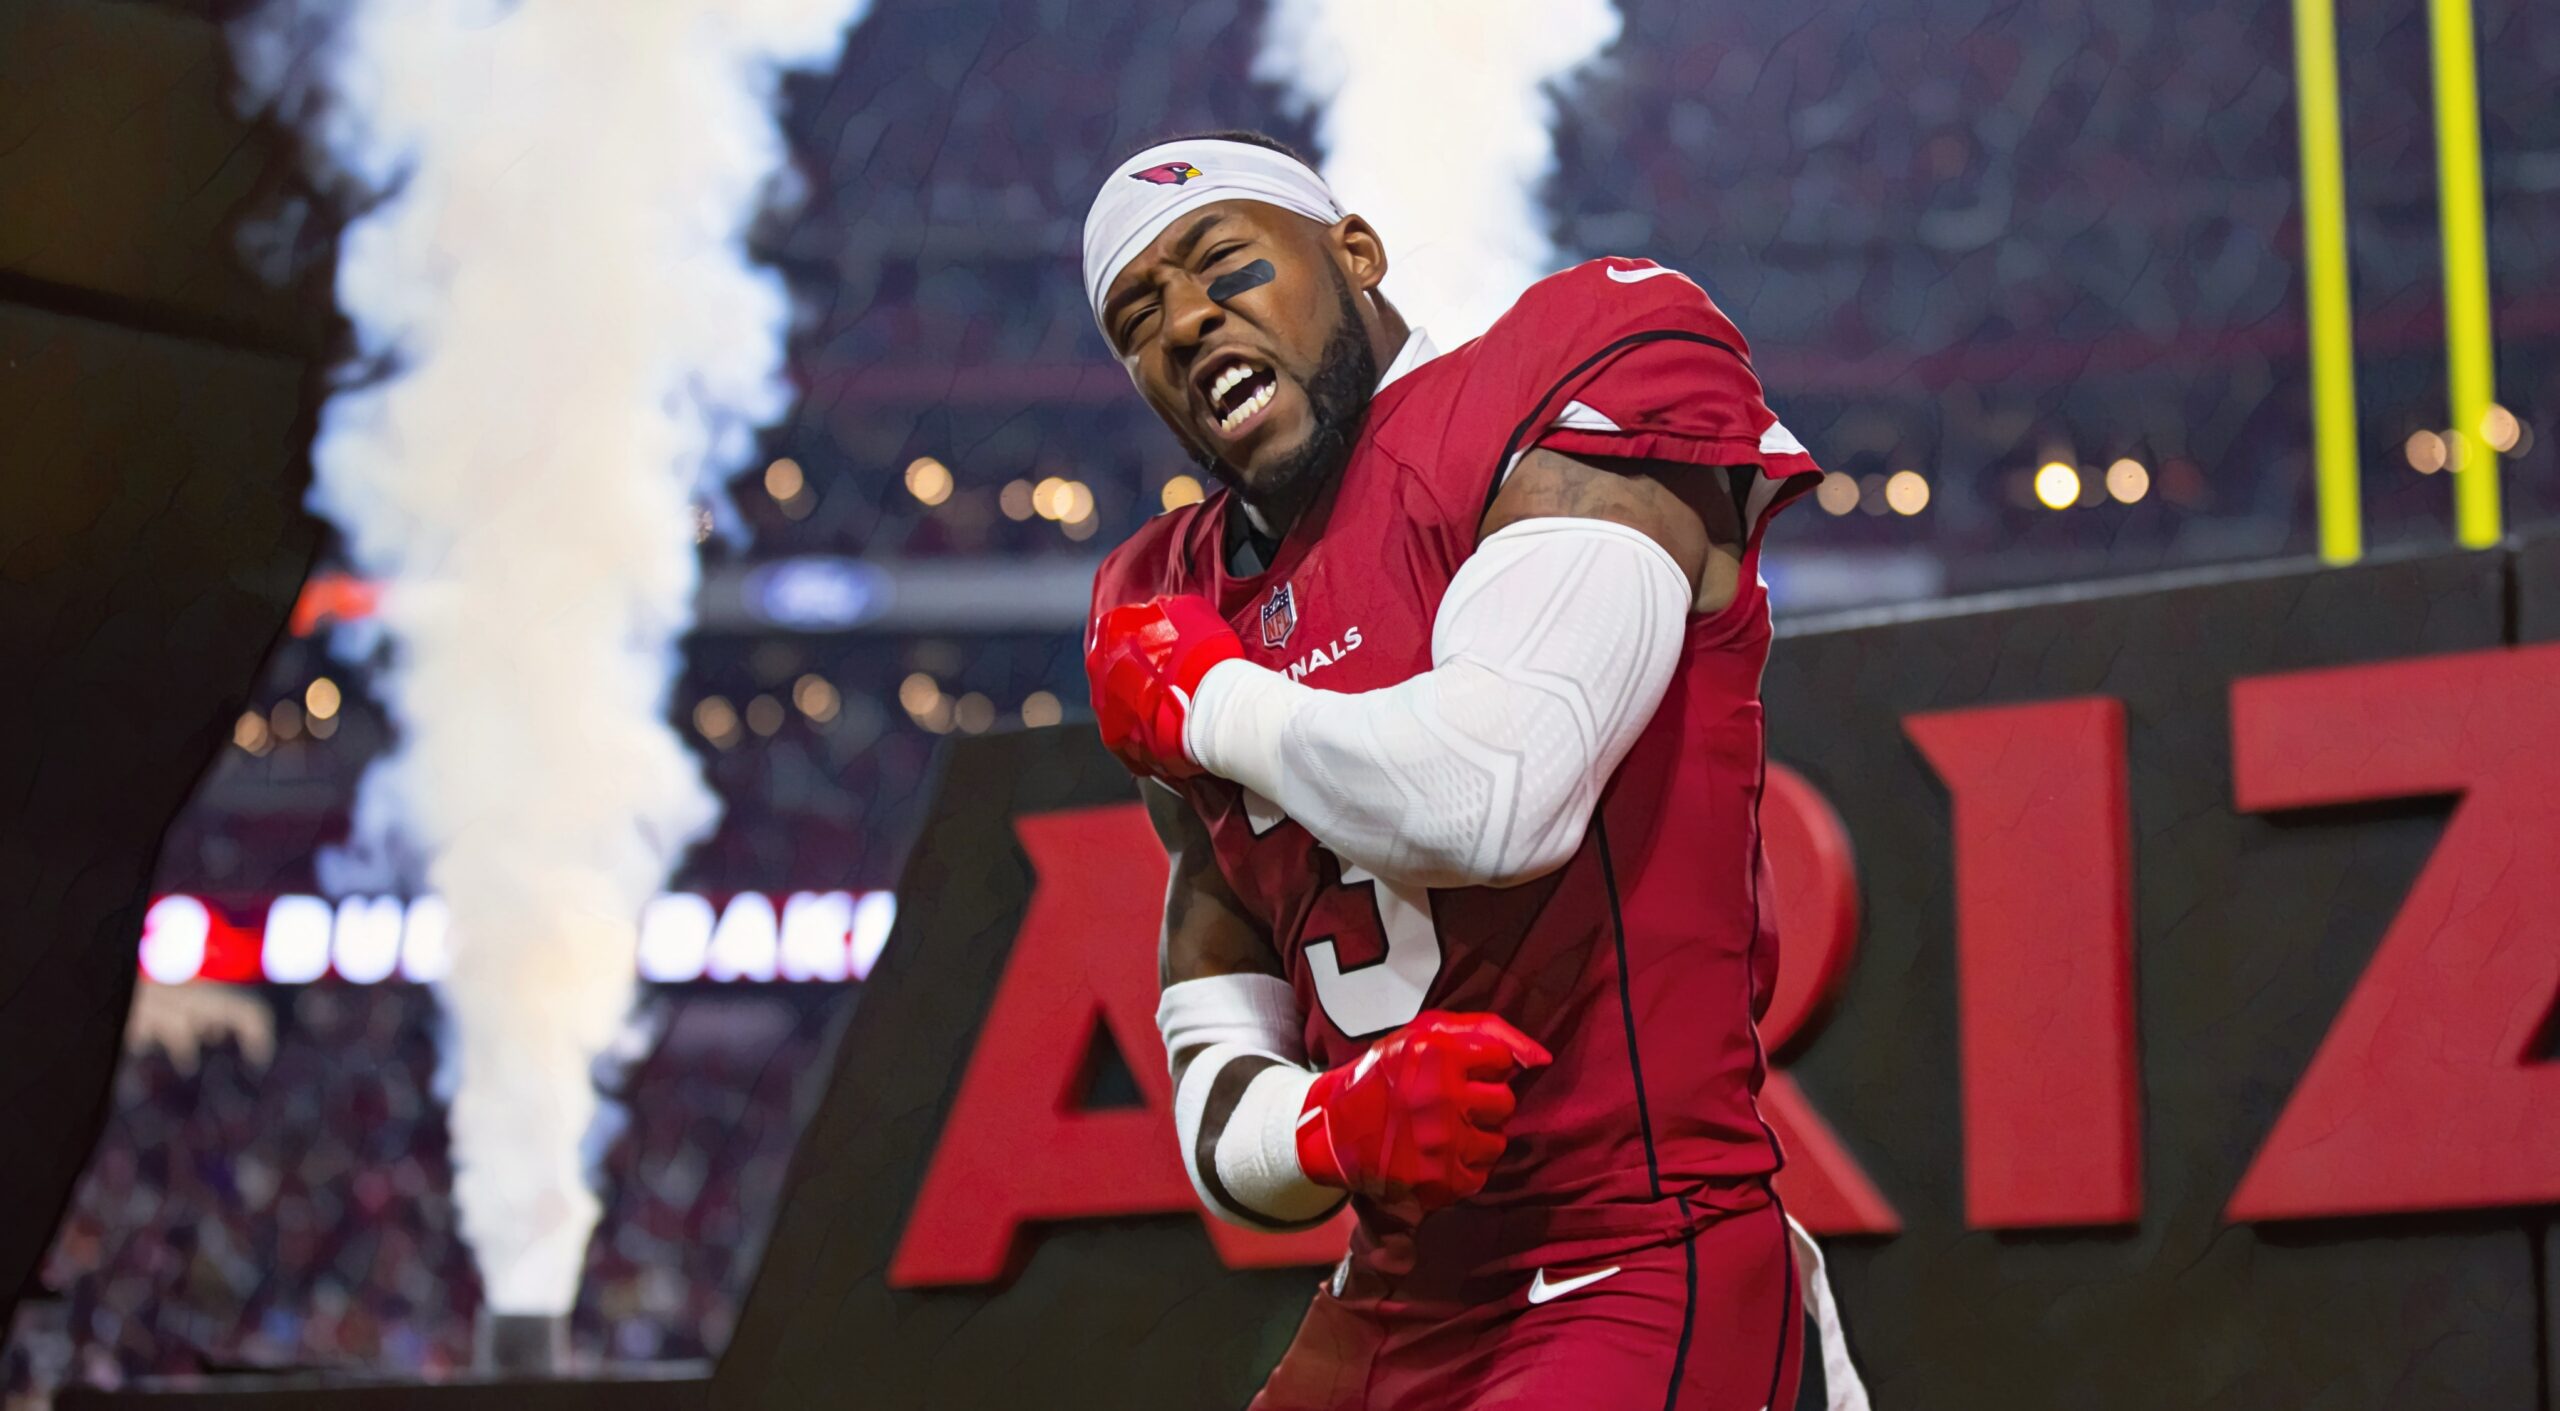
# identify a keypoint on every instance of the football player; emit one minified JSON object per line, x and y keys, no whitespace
{"x":1448,"y":703}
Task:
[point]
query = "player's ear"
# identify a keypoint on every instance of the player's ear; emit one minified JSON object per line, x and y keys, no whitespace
{"x":1359,"y":251}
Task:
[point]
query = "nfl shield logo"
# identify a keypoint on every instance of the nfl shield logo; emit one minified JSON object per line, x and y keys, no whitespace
{"x":1279,"y":617}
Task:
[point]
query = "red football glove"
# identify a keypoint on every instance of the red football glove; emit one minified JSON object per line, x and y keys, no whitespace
{"x":1420,"y":1114}
{"x":1145,"y":662}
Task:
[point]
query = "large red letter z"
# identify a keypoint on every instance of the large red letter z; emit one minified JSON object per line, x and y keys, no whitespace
{"x":2426,"y":1094}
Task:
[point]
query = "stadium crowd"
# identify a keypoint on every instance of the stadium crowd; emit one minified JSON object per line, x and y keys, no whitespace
{"x":298,"y":1214}
{"x":1964,"y":239}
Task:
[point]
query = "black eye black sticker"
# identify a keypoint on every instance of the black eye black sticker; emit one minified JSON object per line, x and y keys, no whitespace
{"x":1234,"y":282}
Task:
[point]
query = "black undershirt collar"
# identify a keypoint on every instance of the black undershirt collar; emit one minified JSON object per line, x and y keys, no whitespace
{"x":1248,"y":553}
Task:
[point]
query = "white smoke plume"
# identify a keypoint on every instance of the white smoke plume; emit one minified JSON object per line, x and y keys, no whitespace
{"x":1435,"y":118}
{"x":556,"y":280}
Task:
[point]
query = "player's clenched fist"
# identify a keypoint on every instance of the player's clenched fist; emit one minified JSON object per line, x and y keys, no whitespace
{"x":1420,"y":1114}
{"x":1145,"y":662}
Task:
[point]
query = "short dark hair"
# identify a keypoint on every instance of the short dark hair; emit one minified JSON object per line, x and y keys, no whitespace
{"x":1246,"y":135}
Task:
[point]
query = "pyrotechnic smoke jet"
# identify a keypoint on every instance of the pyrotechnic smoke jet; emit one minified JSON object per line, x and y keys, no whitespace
{"x":1435,"y":119}
{"x":555,"y":287}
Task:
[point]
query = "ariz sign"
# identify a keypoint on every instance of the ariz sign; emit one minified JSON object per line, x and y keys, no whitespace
{"x":2430,"y":1055}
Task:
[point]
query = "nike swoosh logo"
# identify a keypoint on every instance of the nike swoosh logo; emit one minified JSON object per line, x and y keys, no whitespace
{"x":1540,"y":1291}
{"x":1638,"y":276}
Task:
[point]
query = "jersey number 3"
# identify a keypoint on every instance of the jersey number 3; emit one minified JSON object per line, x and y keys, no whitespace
{"x":1384,"y":993}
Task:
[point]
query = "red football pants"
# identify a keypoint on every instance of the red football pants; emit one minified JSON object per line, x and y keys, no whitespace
{"x":1710,"y":1323}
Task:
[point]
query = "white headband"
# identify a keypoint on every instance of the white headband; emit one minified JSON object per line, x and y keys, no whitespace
{"x":1156,"y":187}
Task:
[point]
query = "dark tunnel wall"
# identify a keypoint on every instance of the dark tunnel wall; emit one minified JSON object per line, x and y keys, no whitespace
{"x":157,"y":402}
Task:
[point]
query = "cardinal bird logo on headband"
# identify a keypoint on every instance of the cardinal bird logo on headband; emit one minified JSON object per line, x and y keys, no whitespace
{"x":1170,"y":174}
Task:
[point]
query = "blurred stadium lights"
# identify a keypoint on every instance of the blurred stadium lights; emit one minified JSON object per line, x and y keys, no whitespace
{"x":825,"y":593}
{"x":1837,"y":494}
{"x":817,"y":698}
{"x":1015,"y":501}
{"x":2500,"y":429}
{"x":925,"y":703}
{"x":2057,"y":486}
{"x":1181,"y":490}
{"x":321,"y":698}
{"x":789,"y":487}
{"x":929,"y":480}
{"x":716,"y":720}
{"x":2128,"y":481}
{"x":821,"y":594}
{"x":2426,"y":452}
{"x":1040,"y":708}
{"x":1907,"y":492}
{"x":1050,"y":593}
{"x":1064,"y":500}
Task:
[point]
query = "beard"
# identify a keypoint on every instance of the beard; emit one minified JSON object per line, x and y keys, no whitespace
{"x":1337,"y":399}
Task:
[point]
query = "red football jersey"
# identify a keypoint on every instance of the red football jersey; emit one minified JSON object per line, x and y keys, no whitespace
{"x":1643,"y":961}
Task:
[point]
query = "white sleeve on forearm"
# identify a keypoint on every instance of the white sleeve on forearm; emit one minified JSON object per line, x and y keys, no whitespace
{"x":1247,"y":1173}
{"x":1554,"y":644}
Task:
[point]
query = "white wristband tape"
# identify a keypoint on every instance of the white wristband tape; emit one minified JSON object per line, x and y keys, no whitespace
{"x":1253,"y":1177}
{"x":1257,"y":1157}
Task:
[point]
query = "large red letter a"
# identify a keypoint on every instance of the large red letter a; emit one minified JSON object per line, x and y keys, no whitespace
{"x":1016,"y":1148}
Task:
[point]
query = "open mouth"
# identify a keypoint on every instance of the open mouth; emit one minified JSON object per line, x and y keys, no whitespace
{"x":1238,"y":391}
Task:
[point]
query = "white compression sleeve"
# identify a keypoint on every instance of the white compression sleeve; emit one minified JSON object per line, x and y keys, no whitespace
{"x":1251,"y":1176}
{"x":1554,"y":644}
